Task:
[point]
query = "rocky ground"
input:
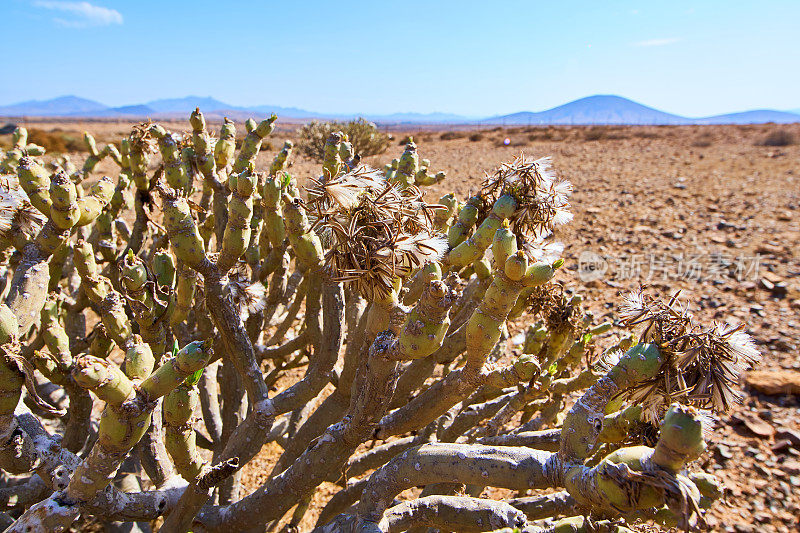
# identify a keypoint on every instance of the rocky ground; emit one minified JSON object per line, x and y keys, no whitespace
{"x":711,"y":213}
{"x":707,"y":210}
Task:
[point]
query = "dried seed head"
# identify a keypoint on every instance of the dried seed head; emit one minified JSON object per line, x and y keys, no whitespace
{"x":141,"y":138}
{"x":608,"y":360}
{"x":543,"y":201}
{"x":544,"y":251}
{"x":701,"y":365}
{"x":560,"y":313}
{"x":345,"y":191}
{"x":374,"y":232}
{"x":248,"y":297}
{"x":16,"y":211}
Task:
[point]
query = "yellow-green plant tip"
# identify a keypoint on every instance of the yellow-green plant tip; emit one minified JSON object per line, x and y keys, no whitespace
{"x":35,"y":181}
{"x":104,"y":379}
{"x":537,"y":274}
{"x":504,"y":245}
{"x":709,"y":485}
{"x":681,"y":438}
{"x":8,"y":324}
{"x":173,"y":372}
{"x":164,"y":269}
{"x":641,"y":362}
{"x":516,"y":266}
{"x":505,"y":206}
{"x":64,"y":210}
{"x":197,"y":120}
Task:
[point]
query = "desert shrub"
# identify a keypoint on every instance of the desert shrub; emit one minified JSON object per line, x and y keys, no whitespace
{"x":452,"y":135}
{"x":407,"y":139}
{"x":641,"y":133}
{"x":475,"y":137}
{"x":595,"y":133}
{"x":778,"y":138}
{"x":703,"y":140}
{"x":365,"y":137}
{"x":57,"y":141}
{"x":541,"y":134}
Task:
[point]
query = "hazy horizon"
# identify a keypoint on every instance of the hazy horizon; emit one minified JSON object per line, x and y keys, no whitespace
{"x":688,"y":58}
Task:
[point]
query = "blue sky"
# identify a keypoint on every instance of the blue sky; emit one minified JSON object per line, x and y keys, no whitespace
{"x":472,"y":58}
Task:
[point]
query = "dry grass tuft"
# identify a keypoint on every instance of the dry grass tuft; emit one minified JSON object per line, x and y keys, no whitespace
{"x":778,"y":138}
{"x":452,"y":135}
{"x":57,"y":141}
{"x":704,"y":140}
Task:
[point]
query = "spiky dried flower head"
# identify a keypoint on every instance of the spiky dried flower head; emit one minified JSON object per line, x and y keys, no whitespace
{"x":543,"y":201}
{"x":248,"y":297}
{"x":16,"y":211}
{"x":700,"y":365}
{"x":561,"y":313}
{"x":373,"y":231}
{"x":344,"y":192}
{"x":541,"y":250}
{"x":141,"y":138}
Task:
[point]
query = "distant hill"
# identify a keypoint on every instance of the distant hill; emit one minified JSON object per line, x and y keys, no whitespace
{"x":423,"y":118}
{"x":187,"y":105}
{"x":127,"y":111}
{"x":598,"y":109}
{"x":57,"y":107}
{"x":757,"y":116}
{"x":292,"y":112}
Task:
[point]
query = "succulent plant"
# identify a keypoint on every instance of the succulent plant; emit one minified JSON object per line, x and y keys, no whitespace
{"x":397,"y":309}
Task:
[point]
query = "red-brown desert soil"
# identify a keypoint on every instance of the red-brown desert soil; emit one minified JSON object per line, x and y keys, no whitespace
{"x":708,"y":210}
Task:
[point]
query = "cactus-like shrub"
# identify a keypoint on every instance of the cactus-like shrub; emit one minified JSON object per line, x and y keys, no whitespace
{"x":241,"y":310}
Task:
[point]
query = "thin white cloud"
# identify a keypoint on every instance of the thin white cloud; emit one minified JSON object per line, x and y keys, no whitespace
{"x":81,"y":14}
{"x":657,"y":42}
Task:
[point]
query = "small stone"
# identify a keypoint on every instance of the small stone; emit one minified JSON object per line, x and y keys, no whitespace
{"x":724,"y":451}
{"x":791,"y":467}
{"x":789,"y":434}
{"x":754,"y":423}
{"x":781,"y":445}
{"x":774,"y":382}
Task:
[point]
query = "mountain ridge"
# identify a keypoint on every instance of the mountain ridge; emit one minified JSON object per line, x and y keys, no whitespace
{"x":590,"y":110}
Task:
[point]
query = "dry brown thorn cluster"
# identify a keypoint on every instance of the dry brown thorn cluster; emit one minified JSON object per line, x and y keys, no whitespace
{"x":374,"y":231}
{"x":543,"y":200}
{"x":16,"y":211}
{"x":700,"y":365}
